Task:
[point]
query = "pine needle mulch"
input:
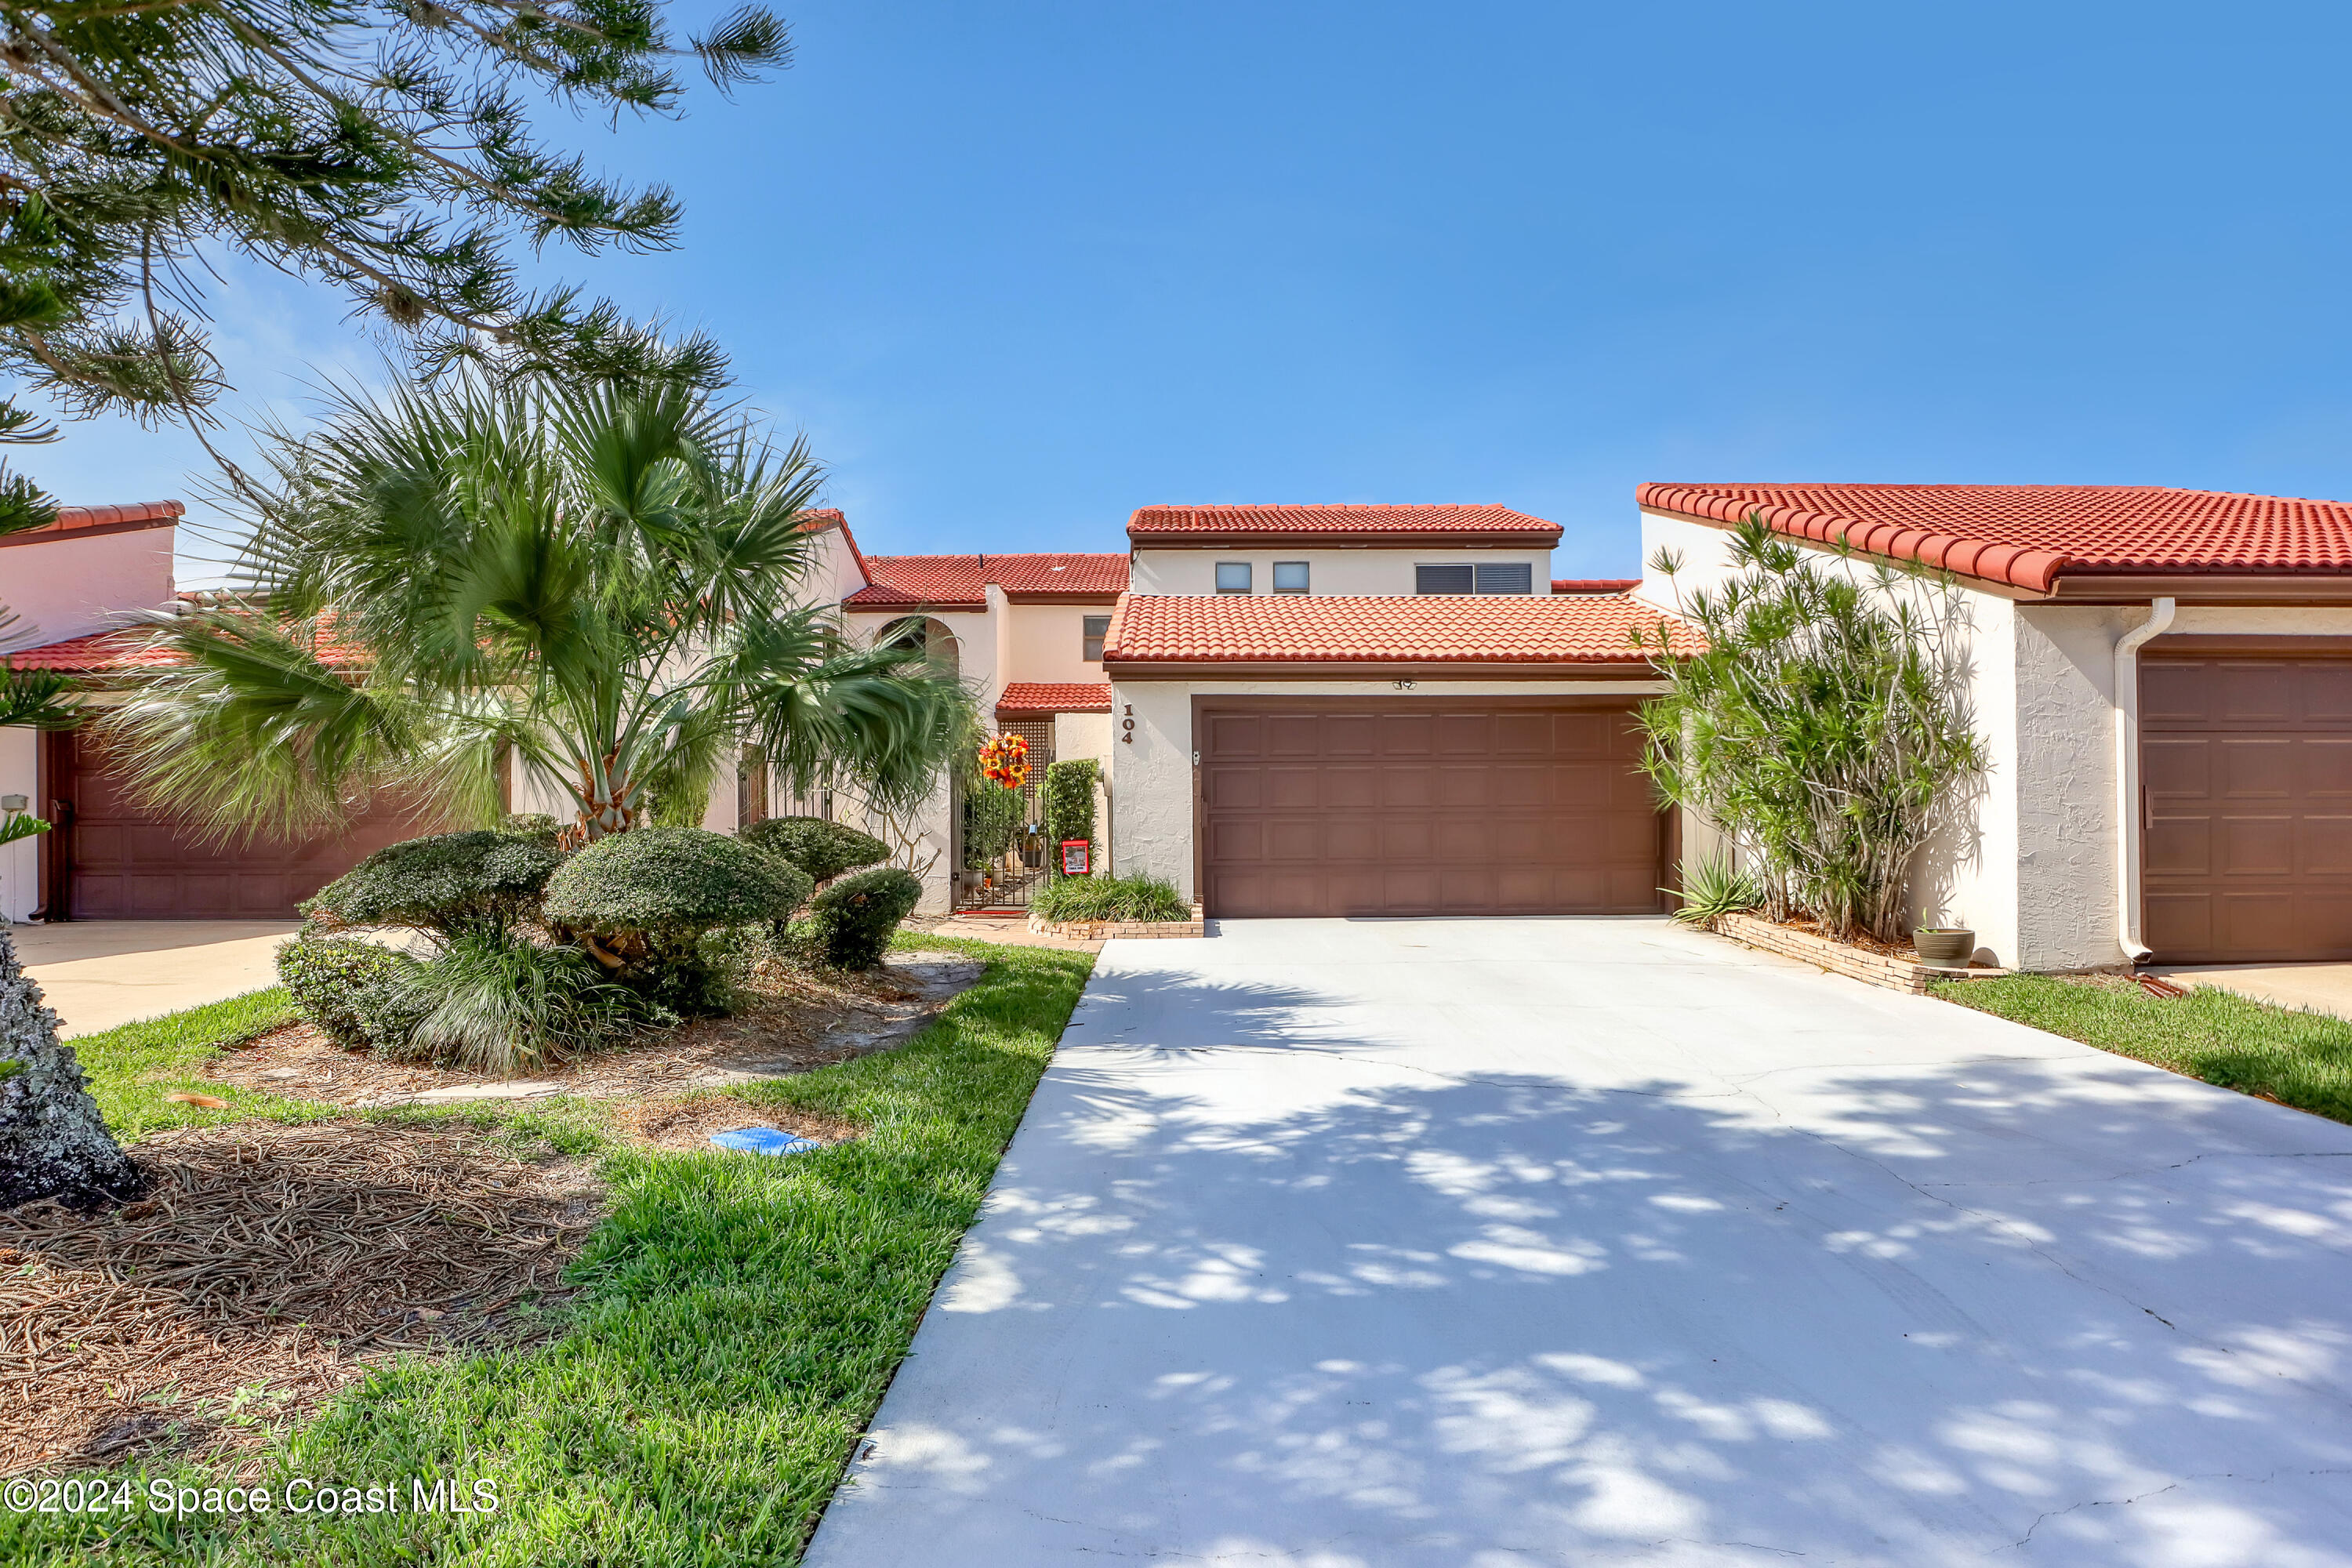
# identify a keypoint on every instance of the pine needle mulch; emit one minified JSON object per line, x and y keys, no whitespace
{"x":267,"y":1267}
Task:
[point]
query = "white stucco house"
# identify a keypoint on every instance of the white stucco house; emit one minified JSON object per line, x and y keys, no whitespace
{"x":1369,"y":710}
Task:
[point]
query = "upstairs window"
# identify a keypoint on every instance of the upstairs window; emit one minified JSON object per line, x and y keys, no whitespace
{"x":1290,"y":576}
{"x":1233,"y":576}
{"x":1516,"y":578}
{"x":1094,"y":628}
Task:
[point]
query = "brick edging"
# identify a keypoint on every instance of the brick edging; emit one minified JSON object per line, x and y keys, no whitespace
{"x":1856,"y":963}
{"x":1102,"y":931}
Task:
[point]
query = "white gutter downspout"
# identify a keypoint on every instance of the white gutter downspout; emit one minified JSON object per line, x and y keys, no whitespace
{"x":2127,"y":812}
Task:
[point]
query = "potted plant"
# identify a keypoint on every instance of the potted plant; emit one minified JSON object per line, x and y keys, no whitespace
{"x":1944,"y":944}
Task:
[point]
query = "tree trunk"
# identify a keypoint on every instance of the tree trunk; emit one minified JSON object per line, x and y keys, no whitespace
{"x":53,"y":1142}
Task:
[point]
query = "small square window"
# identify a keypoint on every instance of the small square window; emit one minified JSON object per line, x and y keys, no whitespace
{"x":1233,"y":576}
{"x":1095,"y":629}
{"x":1441,"y":580}
{"x":1518,"y":578}
{"x":1290,"y":576}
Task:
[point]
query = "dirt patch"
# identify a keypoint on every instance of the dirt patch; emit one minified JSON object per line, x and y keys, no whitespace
{"x":266,"y":1268}
{"x":689,"y":1122}
{"x":794,"y":1019}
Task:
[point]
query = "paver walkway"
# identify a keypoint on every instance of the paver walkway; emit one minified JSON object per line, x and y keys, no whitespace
{"x":1597,"y":1242}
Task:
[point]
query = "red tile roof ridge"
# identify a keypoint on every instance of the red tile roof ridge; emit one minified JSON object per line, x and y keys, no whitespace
{"x":121,"y":515}
{"x":1344,"y":628}
{"x":1326,"y":519}
{"x":2029,"y":535}
{"x":1054,"y":696}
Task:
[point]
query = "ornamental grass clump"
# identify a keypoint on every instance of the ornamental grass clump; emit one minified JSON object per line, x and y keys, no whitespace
{"x":1825,"y":730}
{"x":1132,"y":899}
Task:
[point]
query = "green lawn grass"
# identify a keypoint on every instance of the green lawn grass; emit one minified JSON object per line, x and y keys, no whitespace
{"x":739,"y":1320}
{"x":2302,"y":1059}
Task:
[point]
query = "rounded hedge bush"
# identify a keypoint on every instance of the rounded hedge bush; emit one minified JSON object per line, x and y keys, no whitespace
{"x":824,"y":849}
{"x":668,"y":884}
{"x":446,"y":882}
{"x":356,"y":992}
{"x":856,"y":916}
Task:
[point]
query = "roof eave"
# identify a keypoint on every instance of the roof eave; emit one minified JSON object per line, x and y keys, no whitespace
{"x":1346,"y":539}
{"x":2209,"y":586}
{"x":1135,"y":669}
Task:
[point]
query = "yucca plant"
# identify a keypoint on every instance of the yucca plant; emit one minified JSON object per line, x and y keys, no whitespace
{"x":602,"y":582}
{"x":1825,"y":728}
{"x":1715,"y":888}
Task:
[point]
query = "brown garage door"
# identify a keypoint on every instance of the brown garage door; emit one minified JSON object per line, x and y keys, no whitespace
{"x":1424,"y":807}
{"x":2246,"y":764}
{"x":124,"y":862}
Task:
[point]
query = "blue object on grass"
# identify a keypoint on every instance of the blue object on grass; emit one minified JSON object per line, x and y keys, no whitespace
{"x":764,"y":1141}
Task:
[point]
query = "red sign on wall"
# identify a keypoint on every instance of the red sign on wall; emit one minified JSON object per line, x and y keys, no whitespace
{"x":1074,"y":857}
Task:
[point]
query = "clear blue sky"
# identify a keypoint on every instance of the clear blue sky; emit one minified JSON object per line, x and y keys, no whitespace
{"x":1018,"y":269}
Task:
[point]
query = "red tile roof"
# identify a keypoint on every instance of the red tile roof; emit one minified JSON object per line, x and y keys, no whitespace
{"x":1403,"y":524}
{"x":957,"y":582}
{"x":127,"y":650}
{"x":98,"y":653}
{"x":1437,"y":628}
{"x":1595,"y":584}
{"x":2028,"y":535}
{"x":1054,"y":696}
{"x":108,"y":518}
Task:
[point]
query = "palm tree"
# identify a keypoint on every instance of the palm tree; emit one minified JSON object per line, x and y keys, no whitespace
{"x":600,"y":582}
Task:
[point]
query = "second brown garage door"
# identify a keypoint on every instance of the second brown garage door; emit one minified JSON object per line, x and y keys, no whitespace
{"x":126,"y":862}
{"x":1333,"y":807}
{"x":2247,"y":821}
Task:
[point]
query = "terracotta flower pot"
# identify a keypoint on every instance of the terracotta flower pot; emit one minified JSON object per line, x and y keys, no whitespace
{"x":1946,"y":944}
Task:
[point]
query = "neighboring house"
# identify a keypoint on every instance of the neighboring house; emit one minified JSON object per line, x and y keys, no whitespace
{"x":1371,"y":710}
{"x":2166,"y":680}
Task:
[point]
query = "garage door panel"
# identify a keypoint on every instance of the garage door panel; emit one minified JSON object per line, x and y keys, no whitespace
{"x":1294,"y":839}
{"x":2247,"y":855}
{"x":2257,"y":847}
{"x":2257,"y":769}
{"x":2326,"y":849}
{"x":1237,"y":736}
{"x":2178,"y":847}
{"x":2324,"y":689}
{"x":1458,"y":809}
{"x":1292,"y":788}
{"x":1413,"y":785}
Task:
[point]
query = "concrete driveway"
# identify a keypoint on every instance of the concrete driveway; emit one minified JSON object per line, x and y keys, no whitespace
{"x":1585,"y":1242}
{"x":99,"y":974}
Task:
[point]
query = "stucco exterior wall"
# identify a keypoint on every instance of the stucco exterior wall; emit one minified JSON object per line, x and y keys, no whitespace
{"x":1368,"y":570}
{"x":1151,"y":776}
{"x":68,"y":586}
{"x":20,"y":890}
{"x":1048,"y":642}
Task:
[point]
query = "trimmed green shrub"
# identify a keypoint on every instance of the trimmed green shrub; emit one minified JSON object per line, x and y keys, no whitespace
{"x":353,"y":989}
{"x":1070,"y":806}
{"x":672,"y":882}
{"x":496,"y":1004}
{"x":1111,"y":899}
{"x":448,"y":883}
{"x":824,"y":849}
{"x":855,"y":917}
{"x":641,"y":902}
{"x":535,"y":825}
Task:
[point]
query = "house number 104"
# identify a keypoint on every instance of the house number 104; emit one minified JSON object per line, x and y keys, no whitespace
{"x":1126,"y":724}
